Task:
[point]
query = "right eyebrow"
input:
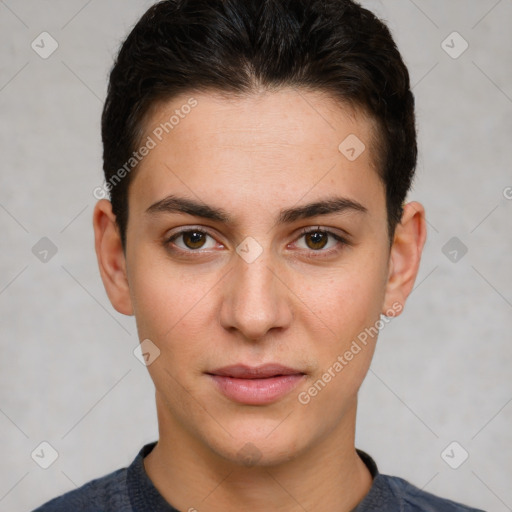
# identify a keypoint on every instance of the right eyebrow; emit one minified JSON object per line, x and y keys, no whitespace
{"x":175,"y":204}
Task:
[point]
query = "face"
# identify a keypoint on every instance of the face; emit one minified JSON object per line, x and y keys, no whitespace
{"x":254,"y":241}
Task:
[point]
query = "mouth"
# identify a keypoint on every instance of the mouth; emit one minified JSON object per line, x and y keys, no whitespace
{"x":256,"y":385}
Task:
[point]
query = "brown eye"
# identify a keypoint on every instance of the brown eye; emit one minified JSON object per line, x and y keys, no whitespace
{"x":316,"y":239}
{"x":319,"y":242}
{"x":193,"y":239}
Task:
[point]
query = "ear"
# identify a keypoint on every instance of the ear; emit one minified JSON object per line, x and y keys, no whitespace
{"x":111,"y":258}
{"x":404,"y":259}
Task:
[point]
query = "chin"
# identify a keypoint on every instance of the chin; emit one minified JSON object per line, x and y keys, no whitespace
{"x":258,"y":449}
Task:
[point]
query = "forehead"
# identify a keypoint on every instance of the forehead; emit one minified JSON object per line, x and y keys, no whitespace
{"x":263,"y":143}
{"x":290,"y":116}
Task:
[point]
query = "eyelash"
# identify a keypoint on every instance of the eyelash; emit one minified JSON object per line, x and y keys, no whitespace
{"x":311,"y":253}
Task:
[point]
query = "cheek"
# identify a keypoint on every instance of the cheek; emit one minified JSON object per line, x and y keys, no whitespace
{"x":176,"y":311}
{"x":349,"y":299}
{"x":351,"y":312}
{"x":348,"y":305}
{"x":155,"y":303}
{"x":161,"y":294}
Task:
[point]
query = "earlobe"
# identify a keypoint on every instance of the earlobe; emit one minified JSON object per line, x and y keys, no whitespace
{"x":111,"y":258}
{"x":405,"y":256}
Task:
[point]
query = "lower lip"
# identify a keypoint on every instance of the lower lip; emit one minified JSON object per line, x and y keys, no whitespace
{"x":257,"y":391}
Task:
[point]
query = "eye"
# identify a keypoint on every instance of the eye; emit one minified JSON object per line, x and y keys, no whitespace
{"x":191,"y":240}
{"x":321,"y":240}
{"x":315,"y":240}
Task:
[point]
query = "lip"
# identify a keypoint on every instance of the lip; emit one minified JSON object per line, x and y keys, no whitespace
{"x":256,"y":385}
{"x":242,"y":371}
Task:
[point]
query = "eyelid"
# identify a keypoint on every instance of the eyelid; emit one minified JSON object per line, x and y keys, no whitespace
{"x":340,"y":233}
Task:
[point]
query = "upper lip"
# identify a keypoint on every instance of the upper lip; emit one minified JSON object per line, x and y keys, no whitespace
{"x":241,"y":371}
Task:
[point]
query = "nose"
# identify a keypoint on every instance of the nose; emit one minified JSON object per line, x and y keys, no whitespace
{"x":256,"y":301}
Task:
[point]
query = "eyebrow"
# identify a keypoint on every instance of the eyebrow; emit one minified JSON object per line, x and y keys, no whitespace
{"x":330,"y":205}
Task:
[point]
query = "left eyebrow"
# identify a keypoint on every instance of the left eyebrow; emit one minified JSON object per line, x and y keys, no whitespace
{"x":175,"y":204}
{"x":323,"y":207}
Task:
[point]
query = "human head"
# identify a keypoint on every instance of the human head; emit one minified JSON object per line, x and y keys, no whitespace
{"x":237,"y":47}
{"x":263,"y":163}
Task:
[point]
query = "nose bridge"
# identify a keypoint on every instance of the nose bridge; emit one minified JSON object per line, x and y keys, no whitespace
{"x":257,"y":300}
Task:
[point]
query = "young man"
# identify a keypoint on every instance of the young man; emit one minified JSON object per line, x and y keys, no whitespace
{"x":257,"y":155}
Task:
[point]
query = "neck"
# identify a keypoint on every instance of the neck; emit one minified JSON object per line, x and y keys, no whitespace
{"x":189,"y":475}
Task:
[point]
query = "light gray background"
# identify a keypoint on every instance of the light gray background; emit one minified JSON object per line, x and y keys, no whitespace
{"x":442,"y":371}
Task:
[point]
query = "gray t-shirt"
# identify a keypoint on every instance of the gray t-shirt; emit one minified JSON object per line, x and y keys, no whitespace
{"x":130,"y":490}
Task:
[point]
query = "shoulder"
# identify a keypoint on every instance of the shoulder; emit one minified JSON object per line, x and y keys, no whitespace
{"x":414,"y":499}
{"x":107,"y":493}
